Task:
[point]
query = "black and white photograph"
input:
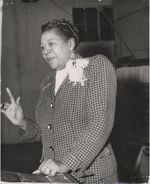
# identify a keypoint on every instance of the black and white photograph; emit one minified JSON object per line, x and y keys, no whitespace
{"x":74,"y":91}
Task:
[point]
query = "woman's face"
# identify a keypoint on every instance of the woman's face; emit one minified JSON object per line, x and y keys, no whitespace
{"x":55,"y":50}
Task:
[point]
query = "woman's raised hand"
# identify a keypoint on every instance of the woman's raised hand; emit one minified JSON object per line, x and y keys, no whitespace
{"x":13,"y":111}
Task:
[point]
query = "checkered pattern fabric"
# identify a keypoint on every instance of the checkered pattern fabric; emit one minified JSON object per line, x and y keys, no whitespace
{"x":76,"y":122}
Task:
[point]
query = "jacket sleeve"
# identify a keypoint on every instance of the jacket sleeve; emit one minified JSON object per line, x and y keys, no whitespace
{"x":101,"y":97}
{"x":32,"y":132}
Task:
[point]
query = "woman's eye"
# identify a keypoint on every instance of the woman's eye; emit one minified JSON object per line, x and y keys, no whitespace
{"x":50,"y":44}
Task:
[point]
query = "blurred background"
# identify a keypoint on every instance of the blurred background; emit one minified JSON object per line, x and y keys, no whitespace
{"x":118,"y":29}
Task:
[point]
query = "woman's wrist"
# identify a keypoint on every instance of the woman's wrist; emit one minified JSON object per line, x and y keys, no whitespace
{"x":22,"y":124}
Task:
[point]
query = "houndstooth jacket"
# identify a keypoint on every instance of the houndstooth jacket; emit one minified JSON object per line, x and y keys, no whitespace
{"x":76,"y":123}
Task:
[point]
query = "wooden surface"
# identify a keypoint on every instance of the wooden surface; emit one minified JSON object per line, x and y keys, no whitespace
{"x":9,"y":176}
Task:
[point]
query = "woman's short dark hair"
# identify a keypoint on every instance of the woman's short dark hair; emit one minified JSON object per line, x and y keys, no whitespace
{"x":62,"y":27}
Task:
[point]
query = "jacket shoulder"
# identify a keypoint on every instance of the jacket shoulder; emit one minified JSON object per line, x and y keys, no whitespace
{"x":100,"y":61}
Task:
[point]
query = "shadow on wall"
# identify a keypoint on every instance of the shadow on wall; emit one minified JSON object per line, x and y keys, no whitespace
{"x":131,"y":130}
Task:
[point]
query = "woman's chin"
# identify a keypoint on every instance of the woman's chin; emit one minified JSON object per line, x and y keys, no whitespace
{"x":52,"y":65}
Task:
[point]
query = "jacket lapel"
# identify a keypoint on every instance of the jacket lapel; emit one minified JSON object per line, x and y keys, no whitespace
{"x":49,"y":85}
{"x":52,"y":87}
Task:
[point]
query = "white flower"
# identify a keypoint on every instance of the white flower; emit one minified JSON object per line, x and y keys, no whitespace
{"x":75,"y":70}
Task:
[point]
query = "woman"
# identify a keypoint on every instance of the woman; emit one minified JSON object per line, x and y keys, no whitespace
{"x":75,"y":112}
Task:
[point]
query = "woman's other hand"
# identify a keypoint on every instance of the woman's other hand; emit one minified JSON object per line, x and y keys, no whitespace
{"x":13,"y":111}
{"x":51,"y":167}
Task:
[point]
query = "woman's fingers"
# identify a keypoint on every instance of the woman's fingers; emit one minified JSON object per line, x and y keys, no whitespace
{"x":47,"y":171}
{"x":13,"y":110}
{"x":4,"y":106}
{"x":18,"y":100}
{"x":9,"y":110}
{"x":42,"y":165}
{"x":12,"y":100}
{"x":49,"y":167}
{"x":36,"y":172}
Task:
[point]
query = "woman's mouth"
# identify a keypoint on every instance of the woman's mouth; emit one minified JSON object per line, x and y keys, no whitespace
{"x":49,"y":58}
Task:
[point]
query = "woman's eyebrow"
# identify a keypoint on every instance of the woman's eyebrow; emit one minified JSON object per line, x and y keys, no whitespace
{"x":52,"y":39}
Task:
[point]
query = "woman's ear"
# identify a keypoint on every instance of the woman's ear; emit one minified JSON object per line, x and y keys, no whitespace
{"x":71,"y":43}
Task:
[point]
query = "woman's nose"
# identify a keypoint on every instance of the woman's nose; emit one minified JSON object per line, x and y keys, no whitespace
{"x":45,"y":51}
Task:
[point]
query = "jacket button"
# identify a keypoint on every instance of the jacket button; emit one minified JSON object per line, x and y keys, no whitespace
{"x":49,"y":126}
{"x":52,"y":105}
{"x":51,"y":148}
